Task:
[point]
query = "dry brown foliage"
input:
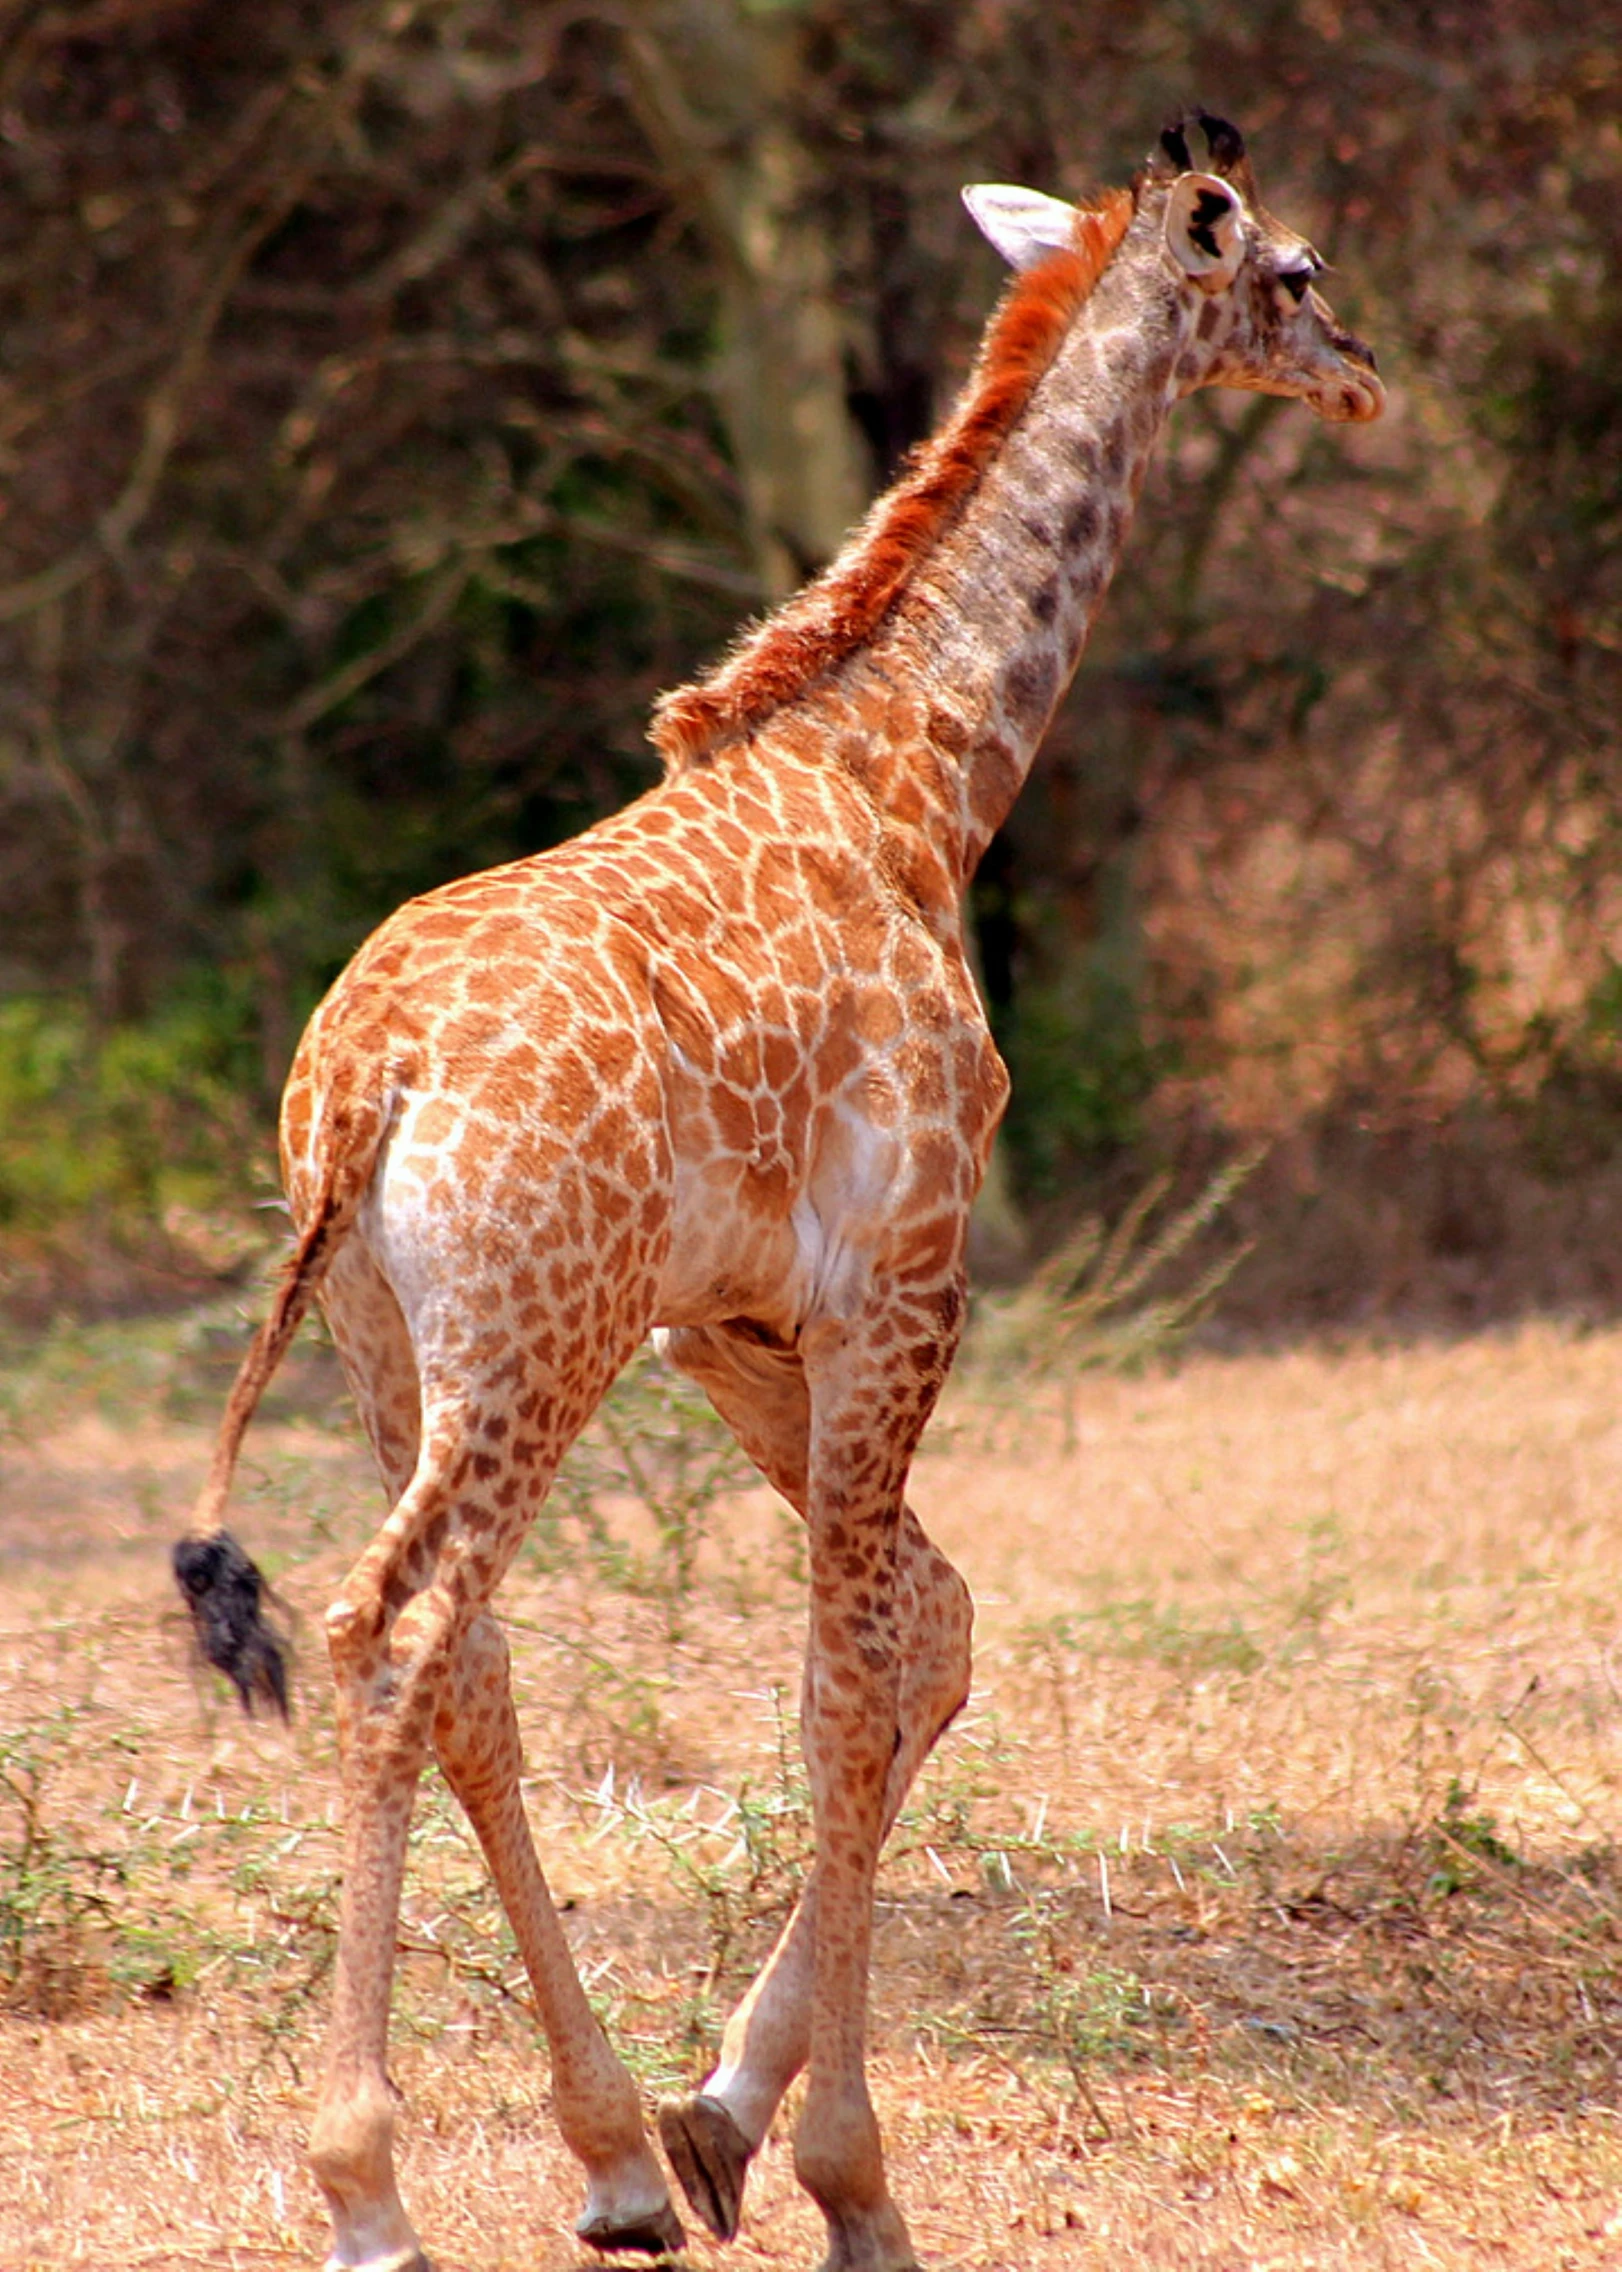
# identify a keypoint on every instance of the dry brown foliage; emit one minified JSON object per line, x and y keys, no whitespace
{"x":1265,"y":1909}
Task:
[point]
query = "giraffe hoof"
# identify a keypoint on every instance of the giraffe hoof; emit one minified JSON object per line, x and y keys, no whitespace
{"x":710,"y":2156}
{"x":658,"y":2234}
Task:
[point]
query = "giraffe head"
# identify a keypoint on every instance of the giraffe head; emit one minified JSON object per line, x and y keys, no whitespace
{"x":1264,"y":325}
{"x":1256,"y":319}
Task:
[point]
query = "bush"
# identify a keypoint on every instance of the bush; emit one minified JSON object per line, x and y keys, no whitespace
{"x":115,"y":1135}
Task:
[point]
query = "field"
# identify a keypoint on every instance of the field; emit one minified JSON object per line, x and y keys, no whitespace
{"x":1264,"y":1909}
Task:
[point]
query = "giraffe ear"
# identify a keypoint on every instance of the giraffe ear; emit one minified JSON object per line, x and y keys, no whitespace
{"x":1024,"y":225}
{"x":1205,"y":230}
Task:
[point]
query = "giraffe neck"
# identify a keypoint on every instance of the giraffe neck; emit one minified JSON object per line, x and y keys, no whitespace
{"x":993,"y":625}
{"x":926,"y":662}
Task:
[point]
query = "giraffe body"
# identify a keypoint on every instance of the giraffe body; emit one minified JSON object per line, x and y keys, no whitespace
{"x":718,"y":1068}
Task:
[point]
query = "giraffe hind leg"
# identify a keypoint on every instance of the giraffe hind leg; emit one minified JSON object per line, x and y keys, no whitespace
{"x":493,"y":1430}
{"x":477,"y":1742}
{"x":768,"y":2036}
{"x":393,"y":1636}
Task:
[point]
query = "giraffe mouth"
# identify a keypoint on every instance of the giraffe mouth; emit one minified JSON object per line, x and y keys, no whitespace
{"x":1359,"y":394}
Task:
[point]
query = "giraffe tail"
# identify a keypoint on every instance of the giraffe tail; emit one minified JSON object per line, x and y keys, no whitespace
{"x":223,"y":1589}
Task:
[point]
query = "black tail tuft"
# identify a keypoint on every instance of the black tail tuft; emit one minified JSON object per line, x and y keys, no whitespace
{"x":224,"y":1592}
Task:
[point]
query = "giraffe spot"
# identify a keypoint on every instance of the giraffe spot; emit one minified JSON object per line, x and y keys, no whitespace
{"x":947,"y":730}
{"x":779,"y":1060}
{"x":837,"y":1059}
{"x":798,"y":961}
{"x":995,"y":780}
{"x":444,"y":924}
{"x":1045,"y":600}
{"x":615,"y":1052}
{"x":879,"y":1016}
{"x":1081,"y":523}
{"x":926,"y":1080}
{"x":734,"y":1120}
{"x":1030,"y":686}
{"x":613,"y":1204}
{"x":740,"y":1065}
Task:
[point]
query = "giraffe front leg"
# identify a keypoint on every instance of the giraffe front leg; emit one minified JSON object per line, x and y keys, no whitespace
{"x":850,"y":1724}
{"x":476,"y":1737}
{"x":872,"y":1384}
{"x":711,"y":2137}
{"x":392,"y":1636}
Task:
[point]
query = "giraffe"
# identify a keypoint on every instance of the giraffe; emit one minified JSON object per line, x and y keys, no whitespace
{"x":718,"y":1069}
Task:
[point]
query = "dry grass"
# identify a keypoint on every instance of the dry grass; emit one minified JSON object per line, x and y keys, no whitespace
{"x":1264,"y":1911}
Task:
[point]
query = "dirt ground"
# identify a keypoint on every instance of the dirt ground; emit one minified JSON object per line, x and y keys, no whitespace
{"x":1264,"y":1909}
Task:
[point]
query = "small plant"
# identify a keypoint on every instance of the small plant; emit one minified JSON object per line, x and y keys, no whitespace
{"x":55,"y":1892}
{"x":748,"y":1865}
{"x":1465,"y":1844}
{"x":657,"y":1442}
{"x":1081,"y":1310}
{"x":1143,"y":1631}
{"x":1081,"y":2010}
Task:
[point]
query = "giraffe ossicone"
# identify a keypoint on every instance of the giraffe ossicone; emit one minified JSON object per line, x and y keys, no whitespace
{"x":718,"y":1067}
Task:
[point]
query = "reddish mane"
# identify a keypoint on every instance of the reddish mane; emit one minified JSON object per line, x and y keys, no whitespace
{"x":848,"y":601}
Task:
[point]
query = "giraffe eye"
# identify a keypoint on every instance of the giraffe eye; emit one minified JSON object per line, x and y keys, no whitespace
{"x":1295,"y":282}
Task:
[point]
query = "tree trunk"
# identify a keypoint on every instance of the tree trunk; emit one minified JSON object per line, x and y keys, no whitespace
{"x":712,"y":79}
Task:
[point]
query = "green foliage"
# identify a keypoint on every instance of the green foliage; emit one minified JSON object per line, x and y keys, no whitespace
{"x":1081,"y":2012}
{"x":110,"y":1128}
{"x":1083,"y":1072}
{"x":1147,"y":1631}
{"x":420,"y":469}
{"x":1465,"y":1844}
{"x":108,"y":1894}
{"x":1572,"y":1122}
{"x":1602,"y":1012}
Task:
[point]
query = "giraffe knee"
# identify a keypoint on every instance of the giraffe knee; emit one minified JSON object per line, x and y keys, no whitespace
{"x":389,"y":1672}
{"x":354,"y":1630}
{"x":365,"y":1638}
